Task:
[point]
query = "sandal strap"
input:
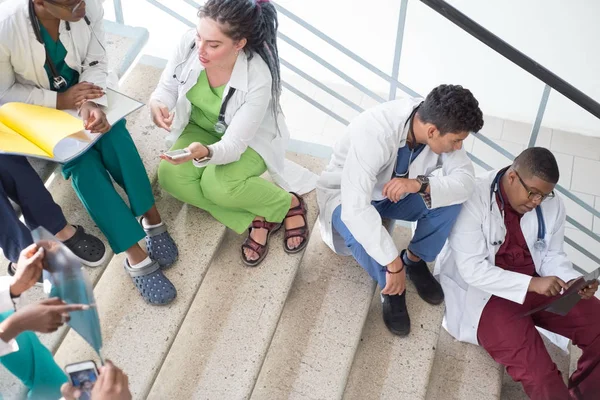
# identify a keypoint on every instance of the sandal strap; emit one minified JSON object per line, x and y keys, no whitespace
{"x":299,"y":210}
{"x":147,"y":270}
{"x":253,"y":245}
{"x":265,"y":225}
{"x":296,"y":232}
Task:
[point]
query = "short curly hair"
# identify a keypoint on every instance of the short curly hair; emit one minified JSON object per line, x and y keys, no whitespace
{"x":452,"y":109}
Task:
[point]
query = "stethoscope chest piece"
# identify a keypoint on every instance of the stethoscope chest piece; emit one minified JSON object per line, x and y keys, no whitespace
{"x":539,"y":245}
{"x":220,"y":127}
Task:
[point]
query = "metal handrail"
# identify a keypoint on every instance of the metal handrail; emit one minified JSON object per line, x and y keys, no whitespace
{"x":506,"y":50}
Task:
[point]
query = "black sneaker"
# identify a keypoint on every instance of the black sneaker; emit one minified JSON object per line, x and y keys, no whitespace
{"x":11,"y":272}
{"x":395,"y":314}
{"x":427,"y":286}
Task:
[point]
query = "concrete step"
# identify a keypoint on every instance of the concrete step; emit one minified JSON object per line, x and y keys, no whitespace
{"x":320,"y":329}
{"x":388,"y":367}
{"x":227,"y":331}
{"x":512,"y":390}
{"x":463,"y":371}
{"x":137,"y":334}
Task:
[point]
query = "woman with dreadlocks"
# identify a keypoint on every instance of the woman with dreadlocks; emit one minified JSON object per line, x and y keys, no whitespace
{"x":223,"y":85}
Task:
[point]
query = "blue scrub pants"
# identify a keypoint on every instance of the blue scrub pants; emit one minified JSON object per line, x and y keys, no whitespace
{"x":433,"y":228}
{"x":20,"y":182}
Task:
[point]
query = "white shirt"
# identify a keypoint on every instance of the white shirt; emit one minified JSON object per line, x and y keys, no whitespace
{"x":249,"y":115}
{"x":22,"y":57}
{"x":6,"y":304}
{"x":362,"y":163}
{"x":466,"y":266}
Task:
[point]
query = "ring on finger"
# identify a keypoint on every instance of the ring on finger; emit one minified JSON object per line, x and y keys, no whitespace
{"x":63,"y":319}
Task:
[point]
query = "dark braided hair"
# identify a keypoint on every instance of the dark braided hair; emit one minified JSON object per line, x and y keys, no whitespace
{"x":256,"y":21}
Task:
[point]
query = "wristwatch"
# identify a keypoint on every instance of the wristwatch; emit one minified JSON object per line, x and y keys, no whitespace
{"x":424,"y":181}
{"x":208,"y":157}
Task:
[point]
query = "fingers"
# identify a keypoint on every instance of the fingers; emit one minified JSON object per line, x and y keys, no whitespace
{"x":69,"y":392}
{"x":37,"y":257}
{"x":169,"y":120}
{"x":30,"y":250}
{"x":164,"y":111}
{"x":111,"y":375}
{"x":562,"y":283}
{"x":53,"y":301}
{"x":67,"y":308}
{"x":87,"y":86}
{"x":385,"y":189}
{"x":160,"y":122}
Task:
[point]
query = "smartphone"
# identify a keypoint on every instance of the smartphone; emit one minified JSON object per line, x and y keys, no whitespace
{"x":83,"y":375}
{"x":175,"y":154}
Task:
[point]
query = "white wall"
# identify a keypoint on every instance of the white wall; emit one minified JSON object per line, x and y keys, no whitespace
{"x":561,"y":35}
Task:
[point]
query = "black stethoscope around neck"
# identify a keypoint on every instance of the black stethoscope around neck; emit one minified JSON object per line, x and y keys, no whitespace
{"x":220,"y":126}
{"x":58,"y":81}
{"x":540,"y":242}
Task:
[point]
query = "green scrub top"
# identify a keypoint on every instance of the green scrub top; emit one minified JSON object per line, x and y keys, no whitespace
{"x":206,"y":103}
{"x":57,"y":53}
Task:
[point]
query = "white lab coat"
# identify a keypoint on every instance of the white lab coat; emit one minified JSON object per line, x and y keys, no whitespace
{"x":466,"y":266}
{"x":6,"y":304}
{"x":22,"y":58}
{"x":363,"y":161}
{"x":248,"y":114}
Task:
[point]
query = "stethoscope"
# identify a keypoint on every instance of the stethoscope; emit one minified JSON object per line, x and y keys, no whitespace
{"x":395,"y":173}
{"x":220,"y":125}
{"x":58,"y":81}
{"x":540,"y":243}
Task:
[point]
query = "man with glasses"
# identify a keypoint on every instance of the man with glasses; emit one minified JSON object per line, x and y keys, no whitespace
{"x":52,"y":54}
{"x":382,"y":168}
{"x":504,"y":258}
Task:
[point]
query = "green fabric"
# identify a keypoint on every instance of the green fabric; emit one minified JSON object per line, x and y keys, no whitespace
{"x":34,"y":366}
{"x":57,"y":53}
{"x":234,"y":193}
{"x":206,"y":103}
{"x":116,"y":156}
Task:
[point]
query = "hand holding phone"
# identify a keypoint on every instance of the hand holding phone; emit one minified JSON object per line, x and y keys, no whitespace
{"x":177,"y":154}
{"x":82,"y":376}
{"x":111,"y":383}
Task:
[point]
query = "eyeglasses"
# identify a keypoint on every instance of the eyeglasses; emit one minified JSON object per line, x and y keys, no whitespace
{"x":71,"y":7}
{"x":534,"y":196}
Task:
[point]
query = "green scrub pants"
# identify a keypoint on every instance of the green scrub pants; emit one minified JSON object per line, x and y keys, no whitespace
{"x":234,"y":193}
{"x":116,"y":156}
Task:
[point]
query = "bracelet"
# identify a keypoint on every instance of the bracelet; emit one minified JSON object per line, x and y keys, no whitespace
{"x":391,"y":272}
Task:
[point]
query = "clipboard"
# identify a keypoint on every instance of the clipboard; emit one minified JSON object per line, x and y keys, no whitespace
{"x":562,"y":304}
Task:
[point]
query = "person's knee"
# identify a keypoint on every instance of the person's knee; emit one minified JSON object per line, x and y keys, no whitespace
{"x":451,"y":212}
{"x":219,"y":188}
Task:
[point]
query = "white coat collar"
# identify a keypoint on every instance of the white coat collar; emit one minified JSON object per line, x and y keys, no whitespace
{"x":239,"y":75}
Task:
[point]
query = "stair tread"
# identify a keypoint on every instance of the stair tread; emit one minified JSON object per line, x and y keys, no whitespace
{"x":463,"y":371}
{"x":319,"y":328}
{"x":229,"y":326}
{"x":134,"y":332}
{"x":389,"y":367}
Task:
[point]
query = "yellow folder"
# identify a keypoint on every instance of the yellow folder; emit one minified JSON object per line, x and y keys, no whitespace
{"x":51,"y":134}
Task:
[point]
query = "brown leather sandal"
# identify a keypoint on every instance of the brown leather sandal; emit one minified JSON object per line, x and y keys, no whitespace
{"x":260,"y":249}
{"x":301,"y":231}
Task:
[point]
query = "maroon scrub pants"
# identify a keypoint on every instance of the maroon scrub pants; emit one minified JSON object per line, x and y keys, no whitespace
{"x":513,"y":341}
